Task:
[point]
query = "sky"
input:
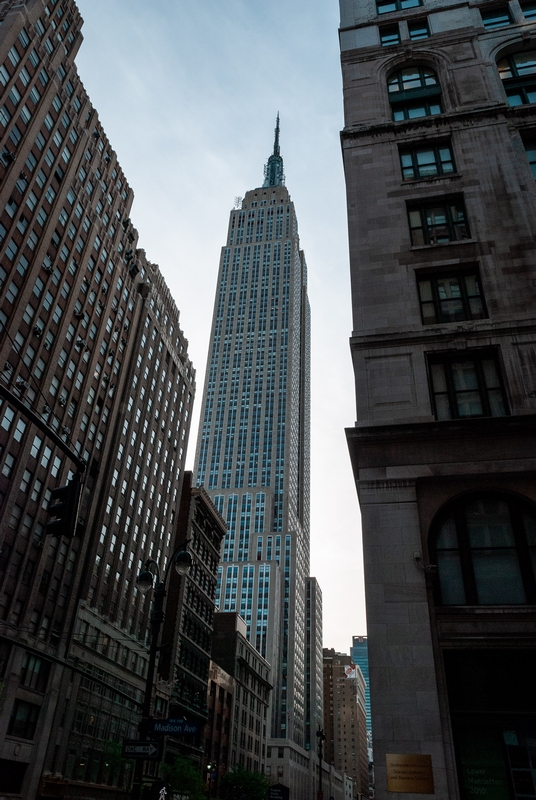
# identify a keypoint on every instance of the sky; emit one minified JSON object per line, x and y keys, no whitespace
{"x":188,"y":92}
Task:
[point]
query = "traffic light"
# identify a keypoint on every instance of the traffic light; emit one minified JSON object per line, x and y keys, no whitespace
{"x":63,"y":509}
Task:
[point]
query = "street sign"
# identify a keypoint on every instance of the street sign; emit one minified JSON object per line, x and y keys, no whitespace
{"x":146,"y":750}
{"x":278,"y":792}
{"x":175,"y":727}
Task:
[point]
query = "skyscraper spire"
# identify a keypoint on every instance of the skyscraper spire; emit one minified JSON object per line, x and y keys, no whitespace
{"x":276,"y":141}
{"x":273,"y":171}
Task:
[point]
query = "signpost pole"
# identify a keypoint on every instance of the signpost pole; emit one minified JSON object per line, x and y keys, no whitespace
{"x":181,"y":561}
{"x":157,"y":618}
{"x":321,"y":736}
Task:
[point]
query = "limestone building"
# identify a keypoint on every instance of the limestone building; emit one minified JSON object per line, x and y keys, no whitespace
{"x":90,"y":343}
{"x":439,"y":155}
{"x":253,"y":448}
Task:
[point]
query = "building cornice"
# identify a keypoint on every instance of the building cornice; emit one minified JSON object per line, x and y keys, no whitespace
{"x":497,"y":113}
{"x":457,"y":334}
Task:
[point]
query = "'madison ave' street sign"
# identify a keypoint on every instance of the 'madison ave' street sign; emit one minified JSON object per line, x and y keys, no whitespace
{"x":174,"y":727}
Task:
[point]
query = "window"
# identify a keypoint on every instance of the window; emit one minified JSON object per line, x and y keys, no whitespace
{"x":34,"y":673}
{"x":24,"y":39}
{"x":418,"y":29}
{"x":14,"y":56}
{"x":426,"y":162}
{"x":8,"y":418}
{"x":23,"y":719}
{"x":14,"y":96}
{"x":19,"y":430}
{"x":26,"y":480}
{"x":9,"y":463}
{"x":485,"y":550}
{"x":466,"y":385}
{"x":437,"y":222}
{"x":450,"y":297}
{"x":530,"y":149}
{"x":12,"y":775}
{"x":496,"y":17}
{"x":529,"y":9}
{"x":518,"y":73}
{"x":36,"y":447}
{"x":389,"y":34}
{"x":384,"y":6}
{"x":414,"y":92}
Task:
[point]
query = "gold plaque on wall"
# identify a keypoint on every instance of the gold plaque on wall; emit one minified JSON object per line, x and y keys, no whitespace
{"x":410,"y":773}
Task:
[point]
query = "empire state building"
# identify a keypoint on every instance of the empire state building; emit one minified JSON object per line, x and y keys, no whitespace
{"x":253,"y":447}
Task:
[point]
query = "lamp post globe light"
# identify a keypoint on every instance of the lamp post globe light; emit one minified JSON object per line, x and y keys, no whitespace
{"x":321,"y":736}
{"x":181,"y":561}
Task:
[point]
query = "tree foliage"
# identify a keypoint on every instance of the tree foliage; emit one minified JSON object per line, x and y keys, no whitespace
{"x":184,"y":778}
{"x":241,"y":784}
{"x":116,"y":768}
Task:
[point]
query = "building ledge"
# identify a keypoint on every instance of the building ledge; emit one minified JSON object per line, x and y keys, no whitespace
{"x":439,"y":448}
{"x":425,"y":334}
{"x":442,"y":122}
{"x":486,"y":626}
{"x":444,"y":429}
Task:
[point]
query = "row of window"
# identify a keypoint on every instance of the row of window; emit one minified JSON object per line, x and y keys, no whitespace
{"x":493,"y":17}
{"x":419,"y":28}
{"x":414,"y":91}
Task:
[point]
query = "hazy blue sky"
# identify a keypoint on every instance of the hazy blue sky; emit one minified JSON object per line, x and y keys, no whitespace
{"x":187,"y":92}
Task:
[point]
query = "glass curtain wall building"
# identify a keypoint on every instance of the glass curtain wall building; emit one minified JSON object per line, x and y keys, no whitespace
{"x":359,"y":654}
{"x":253,"y":446}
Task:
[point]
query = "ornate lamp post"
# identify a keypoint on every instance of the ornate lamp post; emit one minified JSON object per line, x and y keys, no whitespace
{"x":321,"y":736}
{"x":212,"y":770}
{"x":181,"y":561}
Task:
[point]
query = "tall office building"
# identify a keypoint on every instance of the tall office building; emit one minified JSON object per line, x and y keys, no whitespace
{"x":359,"y":654}
{"x":92,"y":359}
{"x":314,"y":689}
{"x":253,"y":446}
{"x":439,"y":151}
{"x":345,"y":719}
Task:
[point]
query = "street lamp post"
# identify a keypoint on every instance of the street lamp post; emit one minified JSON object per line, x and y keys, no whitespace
{"x":212,"y":769}
{"x":181,"y":561}
{"x":321,"y":736}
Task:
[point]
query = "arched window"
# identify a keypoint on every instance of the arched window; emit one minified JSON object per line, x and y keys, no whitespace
{"x":518,"y":73}
{"x":414,"y":92}
{"x":485,"y":551}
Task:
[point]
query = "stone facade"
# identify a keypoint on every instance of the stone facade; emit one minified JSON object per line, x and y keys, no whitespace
{"x":438,"y":149}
